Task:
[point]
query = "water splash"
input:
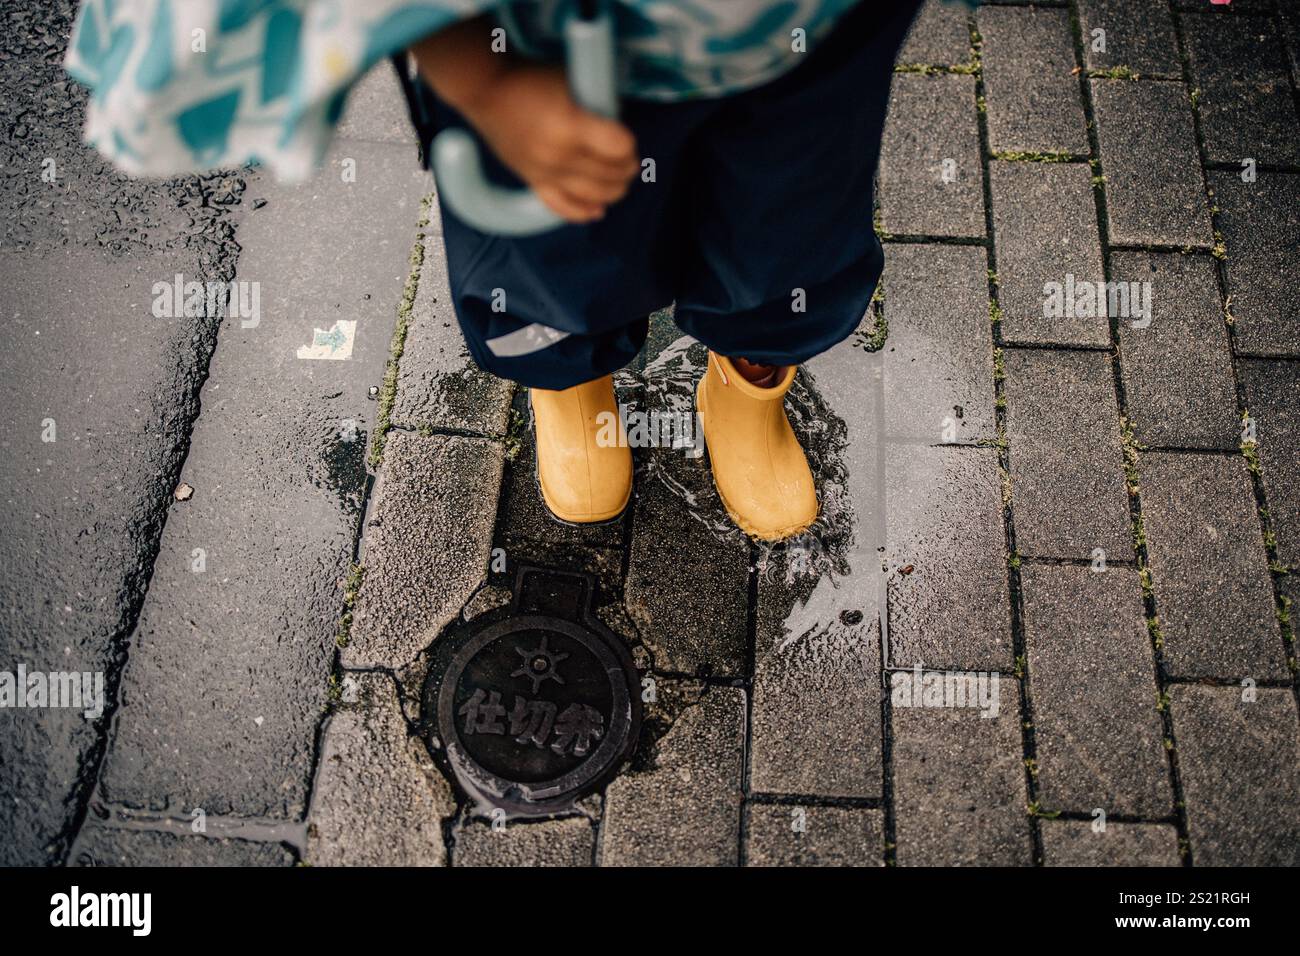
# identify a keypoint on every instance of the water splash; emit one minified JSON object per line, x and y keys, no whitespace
{"x":668,"y":383}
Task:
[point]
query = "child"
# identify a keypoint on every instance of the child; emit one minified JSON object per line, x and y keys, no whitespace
{"x":737,"y":183}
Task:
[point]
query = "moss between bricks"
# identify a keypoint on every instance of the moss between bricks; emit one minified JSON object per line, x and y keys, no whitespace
{"x":874,"y":340}
{"x":1037,"y":156}
{"x":1113,"y":73}
{"x":351,"y":587}
{"x":931,"y":69}
{"x":1035,"y":809}
{"x":514,"y":437}
{"x":388,"y":393}
{"x":877,"y":224}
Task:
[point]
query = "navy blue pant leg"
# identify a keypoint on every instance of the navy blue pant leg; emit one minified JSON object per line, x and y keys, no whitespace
{"x":783,"y":257}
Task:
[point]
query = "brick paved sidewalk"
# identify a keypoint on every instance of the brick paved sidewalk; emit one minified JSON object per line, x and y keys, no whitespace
{"x":1102,"y":513}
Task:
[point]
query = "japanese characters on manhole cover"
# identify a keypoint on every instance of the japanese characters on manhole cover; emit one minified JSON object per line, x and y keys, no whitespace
{"x":535,"y":706}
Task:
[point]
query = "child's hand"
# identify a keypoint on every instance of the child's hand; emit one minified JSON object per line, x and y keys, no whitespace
{"x":578,"y":163}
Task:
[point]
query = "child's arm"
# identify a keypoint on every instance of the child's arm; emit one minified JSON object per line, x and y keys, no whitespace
{"x":578,"y":163}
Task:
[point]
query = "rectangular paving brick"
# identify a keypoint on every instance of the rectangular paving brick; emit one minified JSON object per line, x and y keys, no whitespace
{"x":550,"y":843}
{"x":1076,"y":843}
{"x":438,"y":384}
{"x":946,"y":559}
{"x":1045,"y":229}
{"x":959,"y":786}
{"x":1213,"y":593}
{"x":1154,"y":189}
{"x":1033,"y":96}
{"x":1246,"y":104}
{"x":793,"y":835}
{"x":376,"y":110}
{"x":1261,"y":233}
{"x":1067,"y":464}
{"x":940,"y":35}
{"x":1137,"y":34}
{"x":427,"y":544}
{"x":104,"y":845}
{"x":1240,"y":767}
{"x":684,"y":810}
{"x":700,"y":629}
{"x":1098,"y":737}
{"x":1177,"y":368}
{"x":816,"y":715}
{"x":938,"y":358}
{"x":931,"y":176}
{"x":815,"y":723}
{"x":1273,"y":401}
{"x":378,"y":798}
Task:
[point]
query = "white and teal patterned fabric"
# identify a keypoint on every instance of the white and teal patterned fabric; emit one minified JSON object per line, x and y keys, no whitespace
{"x":179,"y":86}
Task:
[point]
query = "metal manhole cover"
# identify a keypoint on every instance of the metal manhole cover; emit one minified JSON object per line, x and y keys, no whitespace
{"x":537,"y":705}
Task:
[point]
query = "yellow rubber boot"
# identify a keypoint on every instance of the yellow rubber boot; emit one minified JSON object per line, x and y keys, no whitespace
{"x":761,"y":473}
{"x":584,"y":467}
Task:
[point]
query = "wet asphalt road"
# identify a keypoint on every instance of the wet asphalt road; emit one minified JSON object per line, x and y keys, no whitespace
{"x":216,"y":669}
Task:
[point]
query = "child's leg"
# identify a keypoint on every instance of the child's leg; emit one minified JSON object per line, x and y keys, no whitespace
{"x":783,"y":258}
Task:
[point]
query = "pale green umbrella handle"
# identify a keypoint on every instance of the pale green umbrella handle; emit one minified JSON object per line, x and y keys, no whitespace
{"x":589,"y":48}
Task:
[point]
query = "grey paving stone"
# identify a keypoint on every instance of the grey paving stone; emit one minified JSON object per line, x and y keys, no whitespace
{"x":1246,"y":105}
{"x":931,"y":176}
{"x":681,"y":532}
{"x":815,"y":725}
{"x":1240,"y":767}
{"x":427,"y":544}
{"x":1273,"y":401}
{"x":1210,"y":573}
{"x":376,"y":111}
{"x":1074,"y":843}
{"x":1138,"y":35}
{"x":1045,"y":229}
{"x":698,"y":630}
{"x":228,"y":672}
{"x":813,"y":836}
{"x":938,"y":358}
{"x":1262,"y":236}
{"x":1177,"y":370}
{"x":959,"y":786}
{"x":566,"y":842}
{"x":1098,"y":737}
{"x":378,"y":800}
{"x":1067,"y":464}
{"x":816,"y":713}
{"x":438,"y":384}
{"x":103,"y":845}
{"x":946,"y":558}
{"x":1154,"y":189}
{"x":526,"y":518}
{"x":684,"y":810}
{"x":1033,"y":95}
{"x":940,"y":35}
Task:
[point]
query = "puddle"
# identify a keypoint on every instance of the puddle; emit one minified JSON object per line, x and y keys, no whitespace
{"x":342,"y":466}
{"x":669,"y":382}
